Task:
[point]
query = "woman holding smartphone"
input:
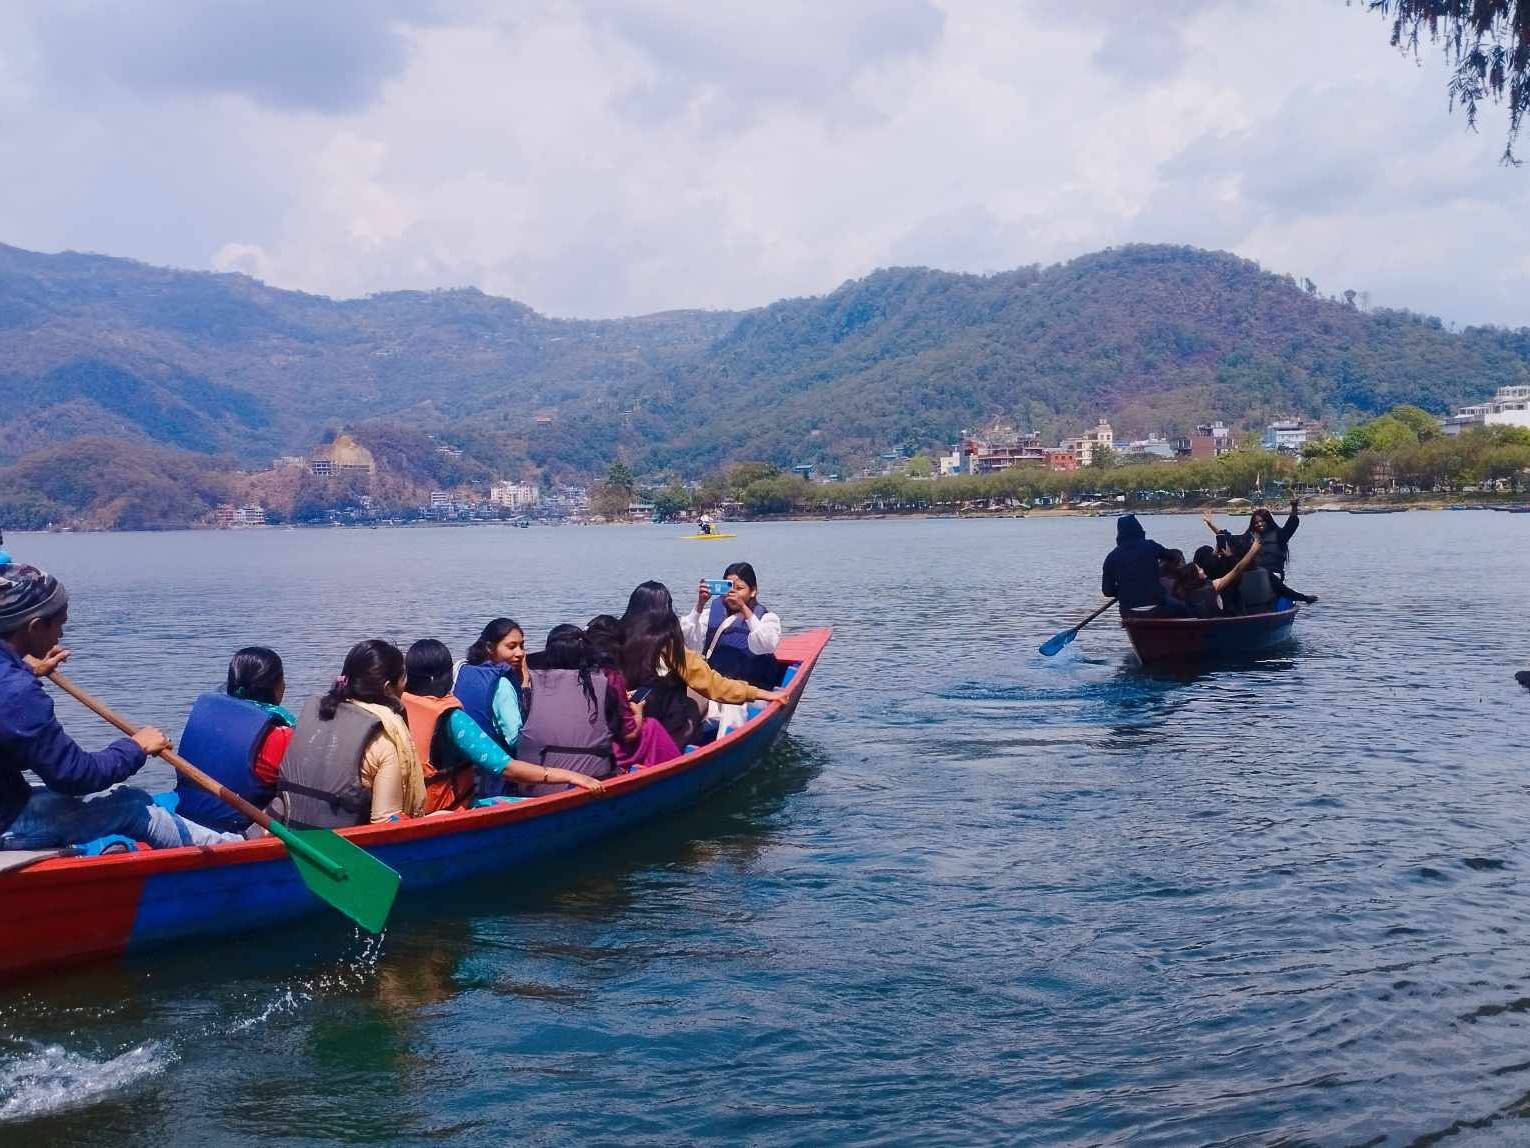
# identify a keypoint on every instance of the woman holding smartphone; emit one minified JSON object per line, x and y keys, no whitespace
{"x":733,"y":630}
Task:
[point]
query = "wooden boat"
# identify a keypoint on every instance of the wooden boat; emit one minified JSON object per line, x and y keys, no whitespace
{"x":69,"y":911}
{"x":1167,"y":641}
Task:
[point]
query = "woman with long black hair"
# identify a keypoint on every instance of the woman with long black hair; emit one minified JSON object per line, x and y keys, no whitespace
{"x":659,"y":668}
{"x":574,"y":717}
{"x":1274,"y":546}
{"x":352,"y":759}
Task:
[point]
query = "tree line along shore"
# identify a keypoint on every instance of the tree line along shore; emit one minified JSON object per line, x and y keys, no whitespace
{"x":1401,"y":458}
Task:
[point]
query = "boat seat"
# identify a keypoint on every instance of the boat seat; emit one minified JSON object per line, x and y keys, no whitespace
{"x":1256,"y":592}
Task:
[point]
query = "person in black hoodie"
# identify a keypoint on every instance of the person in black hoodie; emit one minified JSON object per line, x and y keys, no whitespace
{"x":1130,"y":574}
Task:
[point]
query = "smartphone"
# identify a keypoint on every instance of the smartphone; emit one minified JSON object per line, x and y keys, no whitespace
{"x":641,"y":694}
{"x":717,"y":587}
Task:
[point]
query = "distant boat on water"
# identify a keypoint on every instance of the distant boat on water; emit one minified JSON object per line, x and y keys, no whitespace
{"x":1377,"y":509}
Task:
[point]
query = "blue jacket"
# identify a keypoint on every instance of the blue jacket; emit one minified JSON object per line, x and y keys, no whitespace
{"x":31,"y":738}
{"x":475,"y":689}
{"x":1131,"y":569}
{"x":731,"y":655}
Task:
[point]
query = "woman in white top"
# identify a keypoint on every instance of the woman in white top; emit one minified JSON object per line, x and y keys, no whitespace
{"x":737,"y":636}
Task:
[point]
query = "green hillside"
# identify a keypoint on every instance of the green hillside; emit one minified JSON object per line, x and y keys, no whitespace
{"x":1156,"y":338}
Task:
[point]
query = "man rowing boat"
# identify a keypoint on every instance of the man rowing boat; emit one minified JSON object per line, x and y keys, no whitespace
{"x":1130,"y":574}
{"x":34,"y":607}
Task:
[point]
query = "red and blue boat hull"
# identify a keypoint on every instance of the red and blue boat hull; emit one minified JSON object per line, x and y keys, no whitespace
{"x":71,"y":911}
{"x":1184,"y":641}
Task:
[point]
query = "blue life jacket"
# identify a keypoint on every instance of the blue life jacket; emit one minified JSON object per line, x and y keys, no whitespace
{"x":222,"y":737}
{"x":475,"y":689}
{"x":731,"y":656}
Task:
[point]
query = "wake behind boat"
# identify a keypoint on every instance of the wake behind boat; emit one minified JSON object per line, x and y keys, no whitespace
{"x":75,"y":910}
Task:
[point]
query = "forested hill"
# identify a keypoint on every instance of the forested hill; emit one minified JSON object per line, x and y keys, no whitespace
{"x":1156,"y":338}
{"x":223,"y":363}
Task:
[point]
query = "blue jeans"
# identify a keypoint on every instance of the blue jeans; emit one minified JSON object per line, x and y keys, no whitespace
{"x":50,"y":820}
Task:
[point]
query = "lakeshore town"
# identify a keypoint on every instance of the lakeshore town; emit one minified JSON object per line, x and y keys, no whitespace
{"x":998,"y":449}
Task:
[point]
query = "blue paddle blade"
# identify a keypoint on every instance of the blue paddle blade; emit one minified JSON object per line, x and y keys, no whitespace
{"x":1058,"y":642}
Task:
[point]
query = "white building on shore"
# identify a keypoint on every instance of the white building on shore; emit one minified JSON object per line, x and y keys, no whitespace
{"x":1510,"y":407}
{"x":1286,"y":434}
{"x":515,"y":495}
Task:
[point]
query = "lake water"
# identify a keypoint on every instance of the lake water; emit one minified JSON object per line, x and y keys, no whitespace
{"x":975,"y":896}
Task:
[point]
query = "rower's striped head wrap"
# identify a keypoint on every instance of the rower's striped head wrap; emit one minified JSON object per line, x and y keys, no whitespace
{"x":27,"y":593}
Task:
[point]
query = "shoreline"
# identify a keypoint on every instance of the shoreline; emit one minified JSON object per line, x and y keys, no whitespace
{"x":1328,"y":505}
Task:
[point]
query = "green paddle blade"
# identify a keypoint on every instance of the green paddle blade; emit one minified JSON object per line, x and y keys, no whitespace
{"x":1056,"y":642}
{"x":343,"y":874}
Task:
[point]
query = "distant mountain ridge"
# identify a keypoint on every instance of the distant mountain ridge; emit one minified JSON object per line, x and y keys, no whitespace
{"x":1156,"y":338}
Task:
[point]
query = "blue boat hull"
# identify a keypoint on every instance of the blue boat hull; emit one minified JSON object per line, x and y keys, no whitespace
{"x":69,"y":911}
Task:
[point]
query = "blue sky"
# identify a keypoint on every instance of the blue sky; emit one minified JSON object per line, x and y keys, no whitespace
{"x":605,"y":157}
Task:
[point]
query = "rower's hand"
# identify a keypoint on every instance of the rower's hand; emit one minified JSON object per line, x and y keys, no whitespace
{"x":703,"y":596}
{"x":45,"y":665}
{"x":152,"y":741}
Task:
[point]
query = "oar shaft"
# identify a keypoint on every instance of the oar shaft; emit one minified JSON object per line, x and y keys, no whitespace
{"x":1095,"y":615}
{"x":177,"y":762}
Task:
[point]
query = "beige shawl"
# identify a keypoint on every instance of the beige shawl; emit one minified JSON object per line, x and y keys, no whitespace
{"x":396,"y":730}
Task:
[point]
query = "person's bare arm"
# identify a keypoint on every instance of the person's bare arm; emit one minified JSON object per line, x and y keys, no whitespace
{"x":528,"y":774}
{"x":1210,"y":525}
{"x":1236,"y":572}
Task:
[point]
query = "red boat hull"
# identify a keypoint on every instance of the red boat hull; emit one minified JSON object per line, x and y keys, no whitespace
{"x":70,"y":911}
{"x":1167,"y":641}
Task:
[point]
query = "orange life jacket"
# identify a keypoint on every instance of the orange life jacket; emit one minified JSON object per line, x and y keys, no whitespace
{"x":449,"y":776}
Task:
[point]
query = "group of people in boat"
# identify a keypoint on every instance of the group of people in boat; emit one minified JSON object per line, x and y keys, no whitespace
{"x":1235,"y":574}
{"x":400,"y":733}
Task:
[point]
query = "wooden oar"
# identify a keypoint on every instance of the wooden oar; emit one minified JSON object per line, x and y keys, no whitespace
{"x":336,"y":871}
{"x":1057,"y":642}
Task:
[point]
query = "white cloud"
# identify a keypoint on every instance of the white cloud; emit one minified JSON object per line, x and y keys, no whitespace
{"x":620,"y":156}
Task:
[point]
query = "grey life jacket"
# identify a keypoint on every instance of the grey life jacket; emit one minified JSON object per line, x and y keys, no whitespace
{"x":320,"y":782}
{"x":563,"y":730}
{"x":1272,"y":552}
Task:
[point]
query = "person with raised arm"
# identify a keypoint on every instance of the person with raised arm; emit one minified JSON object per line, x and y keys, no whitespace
{"x":734,"y":632}
{"x":1203,"y":594}
{"x":1275,"y":545}
{"x":659,"y":668}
